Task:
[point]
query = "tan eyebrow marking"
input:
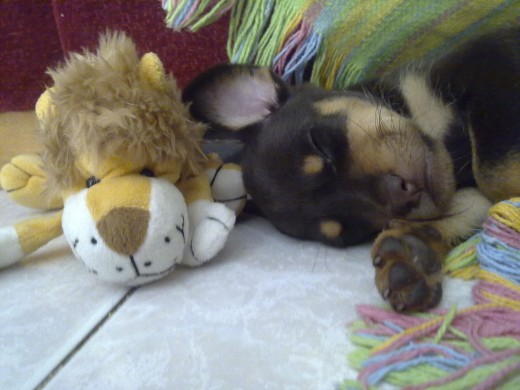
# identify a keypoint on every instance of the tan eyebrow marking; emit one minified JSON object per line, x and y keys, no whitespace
{"x":313,"y":164}
{"x":331,"y":106}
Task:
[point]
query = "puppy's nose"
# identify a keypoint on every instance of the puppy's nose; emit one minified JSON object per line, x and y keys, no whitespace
{"x":402,"y":195}
{"x":124,"y":229}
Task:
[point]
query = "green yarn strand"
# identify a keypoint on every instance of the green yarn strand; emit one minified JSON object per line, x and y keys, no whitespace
{"x":184,"y":14}
{"x":247,"y":26}
{"x":212,"y":15}
{"x":259,"y":28}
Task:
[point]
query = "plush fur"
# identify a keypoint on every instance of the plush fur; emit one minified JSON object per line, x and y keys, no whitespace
{"x":123,"y":154}
{"x":413,"y":158}
{"x":92,"y":119}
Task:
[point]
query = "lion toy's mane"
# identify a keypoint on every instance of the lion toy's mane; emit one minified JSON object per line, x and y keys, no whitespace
{"x":106,"y":109}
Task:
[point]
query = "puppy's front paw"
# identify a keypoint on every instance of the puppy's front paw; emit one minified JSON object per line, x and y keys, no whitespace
{"x":408,"y":265}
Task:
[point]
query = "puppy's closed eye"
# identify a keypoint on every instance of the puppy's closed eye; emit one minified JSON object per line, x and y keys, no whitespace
{"x":328,"y":142}
{"x":321,"y":143}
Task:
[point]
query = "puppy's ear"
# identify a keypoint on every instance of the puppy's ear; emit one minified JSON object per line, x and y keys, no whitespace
{"x":232,"y":97}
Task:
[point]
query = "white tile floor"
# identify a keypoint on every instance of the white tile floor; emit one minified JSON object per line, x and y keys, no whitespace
{"x":269,"y":312}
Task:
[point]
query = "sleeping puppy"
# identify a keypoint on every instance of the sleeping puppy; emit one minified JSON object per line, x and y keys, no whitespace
{"x":414,"y":158}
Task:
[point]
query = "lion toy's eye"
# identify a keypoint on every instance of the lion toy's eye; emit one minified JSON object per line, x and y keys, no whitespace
{"x":147,"y":172}
{"x":91,"y":181}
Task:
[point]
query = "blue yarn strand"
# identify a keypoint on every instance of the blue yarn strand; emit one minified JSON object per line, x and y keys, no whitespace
{"x":393,"y":326}
{"x":379,"y":375}
{"x":296,"y":65}
{"x":498,"y":257}
{"x":177,"y":23}
{"x":453,"y":358}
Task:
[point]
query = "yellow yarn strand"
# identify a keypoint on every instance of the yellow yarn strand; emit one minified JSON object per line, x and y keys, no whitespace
{"x":492,"y":277}
{"x":507,"y":213}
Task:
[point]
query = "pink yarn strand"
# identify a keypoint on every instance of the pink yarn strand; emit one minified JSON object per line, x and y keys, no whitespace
{"x":291,"y":46}
{"x":193,"y":9}
{"x":503,"y":232}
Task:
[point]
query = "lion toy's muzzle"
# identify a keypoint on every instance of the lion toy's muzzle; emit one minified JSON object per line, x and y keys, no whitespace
{"x":118,"y":231}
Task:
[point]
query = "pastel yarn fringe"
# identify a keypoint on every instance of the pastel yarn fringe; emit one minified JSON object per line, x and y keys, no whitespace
{"x":477,"y":347}
{"x":338,"y":42}
{"x":192,"y":15}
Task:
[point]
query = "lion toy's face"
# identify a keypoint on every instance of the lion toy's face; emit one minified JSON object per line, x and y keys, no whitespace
{"x":117,"y":140}
{"x":124,"y":225}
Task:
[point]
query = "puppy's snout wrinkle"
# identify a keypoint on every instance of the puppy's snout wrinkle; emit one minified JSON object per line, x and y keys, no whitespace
{"x":124,"y":229}
{"x":403,"y":195}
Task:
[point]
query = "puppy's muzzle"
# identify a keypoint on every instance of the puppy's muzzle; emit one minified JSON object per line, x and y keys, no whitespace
{"x":403,"y":195}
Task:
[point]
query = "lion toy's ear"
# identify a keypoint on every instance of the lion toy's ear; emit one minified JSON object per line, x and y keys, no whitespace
{"x":43,"y":106}
{"x":151,"y":71}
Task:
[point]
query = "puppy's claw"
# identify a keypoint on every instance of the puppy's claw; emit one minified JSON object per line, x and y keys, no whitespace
{"x":377,"y":261}
{"x":392,"y":246}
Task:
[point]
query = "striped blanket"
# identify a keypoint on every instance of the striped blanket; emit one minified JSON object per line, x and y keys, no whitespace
{"x":338,"y":42}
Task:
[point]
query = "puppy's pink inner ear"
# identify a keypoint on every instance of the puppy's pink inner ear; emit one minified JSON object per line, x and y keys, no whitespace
{"x":243,"y":101}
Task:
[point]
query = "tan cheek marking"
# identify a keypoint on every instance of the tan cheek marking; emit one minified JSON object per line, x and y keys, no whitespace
{"x":312,"y":164}
{"x":330,"y":228}
{"x":497,"y":182}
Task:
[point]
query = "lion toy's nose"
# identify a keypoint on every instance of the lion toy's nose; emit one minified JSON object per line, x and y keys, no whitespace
{"x":124,"y":229}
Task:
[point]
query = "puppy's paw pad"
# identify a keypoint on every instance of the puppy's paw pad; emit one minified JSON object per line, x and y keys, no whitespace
{"x":408,"y":272}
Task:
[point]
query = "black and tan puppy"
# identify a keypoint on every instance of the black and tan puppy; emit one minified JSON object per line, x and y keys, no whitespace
{"x":417,"y":156}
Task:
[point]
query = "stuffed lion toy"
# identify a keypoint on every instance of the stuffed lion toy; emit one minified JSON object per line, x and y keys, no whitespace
{"x":123,"y":158}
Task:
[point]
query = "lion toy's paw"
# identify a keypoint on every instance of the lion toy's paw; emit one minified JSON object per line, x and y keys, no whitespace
{"x":24,"y":179}
{"x":10,"y":250}
{"x":214,"y":222}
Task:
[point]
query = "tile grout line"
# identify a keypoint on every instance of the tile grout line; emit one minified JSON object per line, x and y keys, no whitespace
{"x":84,"y":340}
